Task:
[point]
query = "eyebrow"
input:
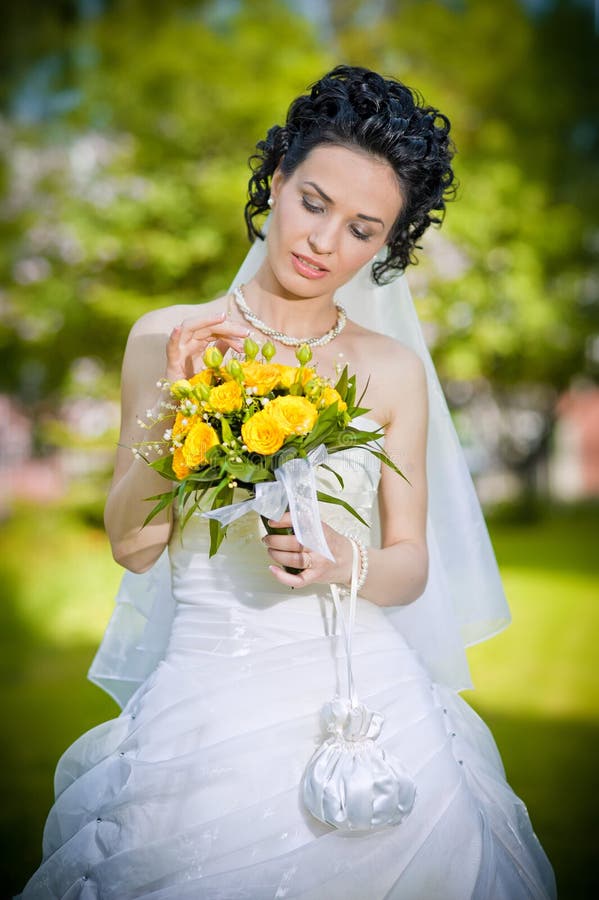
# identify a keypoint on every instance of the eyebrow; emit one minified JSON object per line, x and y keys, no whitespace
{"x":327,"y":199}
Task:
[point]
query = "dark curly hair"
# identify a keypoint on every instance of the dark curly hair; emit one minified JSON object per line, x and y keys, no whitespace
{"x":354,"y":107}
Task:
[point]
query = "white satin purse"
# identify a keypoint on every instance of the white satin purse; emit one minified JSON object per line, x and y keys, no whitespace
{"x":351,"y":782}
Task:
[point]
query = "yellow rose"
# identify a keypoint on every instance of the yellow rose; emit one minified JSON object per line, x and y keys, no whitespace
{"x":207,"y":376}
{"x":289,"y":375}
{"x":329,"y":396}
{"x":226,"y":398}
{"x":262,"y":434}
{"x":180,"y":467}
{"x":294,"y":415}
{"x":286,"y":376}
{"x":183,"y":425}
{"x":199,"y":440}
{"x":204,"y":376}
{"x":262,"y":376}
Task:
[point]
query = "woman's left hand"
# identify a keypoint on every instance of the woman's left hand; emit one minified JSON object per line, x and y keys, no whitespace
{"x":286,"y":550}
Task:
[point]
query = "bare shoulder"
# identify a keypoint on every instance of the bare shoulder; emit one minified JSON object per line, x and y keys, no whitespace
{"x":388,"y":357}
{"x":163,"y":320}
{"x":394,"y":373}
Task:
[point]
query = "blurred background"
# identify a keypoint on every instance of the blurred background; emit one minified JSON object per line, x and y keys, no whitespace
{"x":125,"y":130}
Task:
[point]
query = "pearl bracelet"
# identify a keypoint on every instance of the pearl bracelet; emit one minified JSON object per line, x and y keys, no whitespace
{"x":363,"y":551}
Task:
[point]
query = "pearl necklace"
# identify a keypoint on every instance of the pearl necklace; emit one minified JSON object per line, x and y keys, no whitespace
{"x":286,"y":339}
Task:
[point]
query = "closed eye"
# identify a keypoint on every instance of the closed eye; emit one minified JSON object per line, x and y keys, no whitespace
{"x":362,"y":236}
{"x":310,"y":206}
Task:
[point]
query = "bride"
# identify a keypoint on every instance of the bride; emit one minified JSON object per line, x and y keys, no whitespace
{"x":222,"y":664}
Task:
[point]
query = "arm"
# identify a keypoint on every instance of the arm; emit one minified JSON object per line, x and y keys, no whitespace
{"x":135,"y":547}
{"x":154,"y":350}
{"x":397,"y":571}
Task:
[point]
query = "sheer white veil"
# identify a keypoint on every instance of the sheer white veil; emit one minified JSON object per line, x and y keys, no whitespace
{"x":463,"y":603}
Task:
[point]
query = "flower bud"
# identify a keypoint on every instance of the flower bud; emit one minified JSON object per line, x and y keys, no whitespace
{"x":203,"y":390}
{"x":212,"y":357}
{"x":303,"y":354}
{"x":268,"y":351}
{"x":234,"y":369}
{"x":181,"y":388}
{"x":311,"y":387}
{"x":250,"y":348}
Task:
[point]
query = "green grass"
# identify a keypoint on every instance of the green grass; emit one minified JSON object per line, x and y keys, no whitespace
{"x":537,"y":685}
{"x":536,"y":682}
{"x":58,"y":582}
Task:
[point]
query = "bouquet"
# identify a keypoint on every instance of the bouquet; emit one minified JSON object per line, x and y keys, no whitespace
{"x":256,"y":425}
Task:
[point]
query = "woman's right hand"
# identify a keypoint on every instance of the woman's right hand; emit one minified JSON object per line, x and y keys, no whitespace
{"x":188,"y":341}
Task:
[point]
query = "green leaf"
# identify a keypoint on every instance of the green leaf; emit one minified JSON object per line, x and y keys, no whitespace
{"x":164,"y":466}
{"x":361,"y":397}
{"x":388,"y":462}
{"x":342,"y":383}
{"x":350,"y":395}
{"x":327,"y":498}
{"x":222,"y":497}
{"x":325,"y":425}
{"x":334,"y":472}
{"x":248,"y":472}
{"x":226,"y":429}
{"x":165,"y":500}
{"x":170,"y":494}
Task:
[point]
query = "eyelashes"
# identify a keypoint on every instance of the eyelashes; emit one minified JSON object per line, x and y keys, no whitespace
{"x":310,"y":207}
{"x":319,"y":209}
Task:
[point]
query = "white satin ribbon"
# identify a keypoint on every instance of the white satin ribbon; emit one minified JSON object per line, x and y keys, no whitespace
{"x":351,"y":782}
{"x":295,"y":486}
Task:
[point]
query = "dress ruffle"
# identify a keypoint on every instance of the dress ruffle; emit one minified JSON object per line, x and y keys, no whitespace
{"x":194,"y":791}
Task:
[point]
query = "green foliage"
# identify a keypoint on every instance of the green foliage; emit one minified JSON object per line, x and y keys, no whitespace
{"x":505,"y":285}
{"x":134,"y":201}
{"x":132,"y":198}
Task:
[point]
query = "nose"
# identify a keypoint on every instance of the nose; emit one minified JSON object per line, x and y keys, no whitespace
{"x":322,"y":239}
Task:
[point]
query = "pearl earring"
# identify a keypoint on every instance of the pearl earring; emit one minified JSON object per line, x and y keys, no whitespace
{"x":271,"y":202}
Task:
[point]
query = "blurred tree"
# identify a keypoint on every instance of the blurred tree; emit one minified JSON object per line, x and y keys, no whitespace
{"x":510,"y":287}
{"x":506,"y":283}
{"x":131,"y":198}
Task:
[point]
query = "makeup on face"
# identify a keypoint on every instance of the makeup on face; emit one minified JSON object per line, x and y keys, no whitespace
{"x":330,"y":217}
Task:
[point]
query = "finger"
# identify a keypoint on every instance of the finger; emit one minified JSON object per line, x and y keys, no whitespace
{"x":288,"y":578}
{"x":207,"y":329}
{"x":222,"y":345}
{"x":283,"y":542}
{"x":172,"y":345}
{"x":283,"y":522}
{"x":197,"y":345}
{"x":294,"y":560}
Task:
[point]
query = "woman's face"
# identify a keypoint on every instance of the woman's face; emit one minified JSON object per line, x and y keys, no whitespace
{"x":330,"y":217}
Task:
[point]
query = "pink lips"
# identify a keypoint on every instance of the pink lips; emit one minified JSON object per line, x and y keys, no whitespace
{"x":300,"y":264}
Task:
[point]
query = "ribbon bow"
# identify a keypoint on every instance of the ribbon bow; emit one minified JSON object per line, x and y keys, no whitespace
{"x":295,"y":487}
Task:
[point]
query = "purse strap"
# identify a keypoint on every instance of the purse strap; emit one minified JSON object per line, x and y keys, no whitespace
{"x":348,"y":630}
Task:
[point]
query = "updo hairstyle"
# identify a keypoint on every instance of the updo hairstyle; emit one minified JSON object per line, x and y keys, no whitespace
{"x":356,"y":108}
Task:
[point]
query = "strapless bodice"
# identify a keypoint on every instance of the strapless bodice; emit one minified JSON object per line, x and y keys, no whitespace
{"x":227,"y":590}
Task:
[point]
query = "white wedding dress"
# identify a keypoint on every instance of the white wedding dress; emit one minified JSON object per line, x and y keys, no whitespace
{"x":194,"y":790}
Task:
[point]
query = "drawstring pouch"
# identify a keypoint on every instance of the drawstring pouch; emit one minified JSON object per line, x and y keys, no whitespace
{"x":351,"y":782}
